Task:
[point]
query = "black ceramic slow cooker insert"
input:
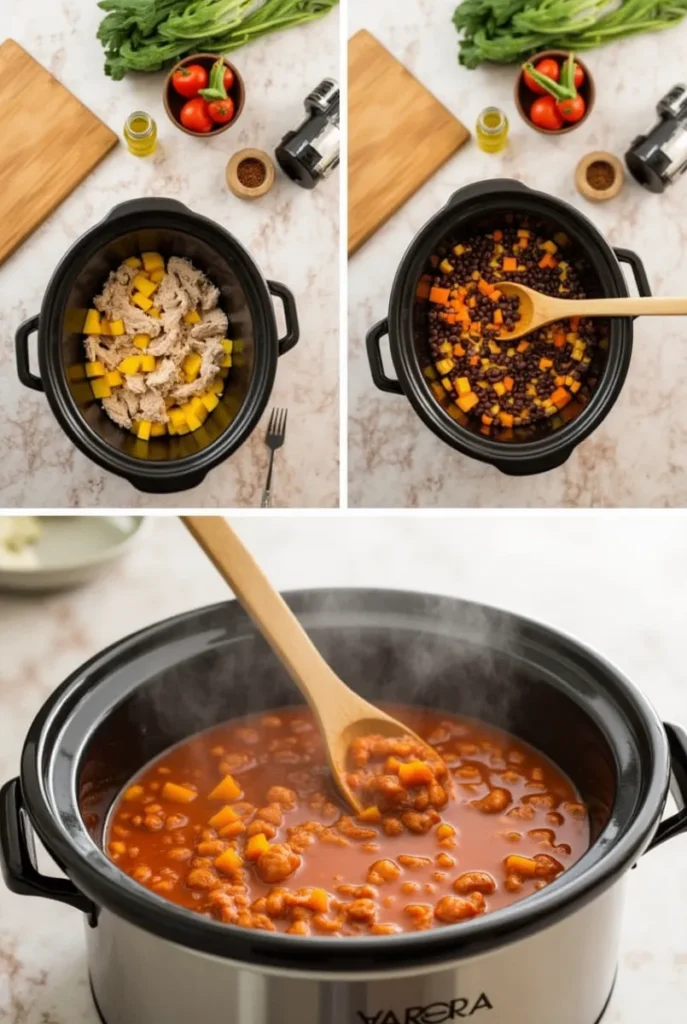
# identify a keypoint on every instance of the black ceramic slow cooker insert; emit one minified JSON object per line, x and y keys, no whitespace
{"x":150,"y":960}
{"x":476,"y":209}
{"x":169,"y":463}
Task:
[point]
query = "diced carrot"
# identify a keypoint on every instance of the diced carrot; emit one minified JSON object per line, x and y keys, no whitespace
{"x":506,"y":419}
{"x":226,"y":816}
{"x":574,"y":324}
{"x":487,"y":420}
{"x":467,"y":402}
{"x":523,"y":243}
{"x":424,"y":287}
{"x":475,"y":327}
{"x":559,"y":339}
{"x":229,"y":862}
{"x":227,"y":789}
{"x":497,"y":236}
{"x":508,"y":383}
{"x":498,"y":316}
{"x":473,"y":360}
{"x":256,"y":846}
{"x":178,"y":794}
{"x":545,"y":364}
{"x":449,"y":318}
{"x":439,"y":295}
{"x":523,"y":346}
{"x":418,"y":773}
{"x":496,"y":295}
{"x":472,"y":302}
{"x":458,"y":350}
{"x":559,"y":381}
{"x":484,"y":287}
{"x":373,"y":815}
{"x":510,"y":263}
{"x":560,"y":398}
{"x":547,"y":261}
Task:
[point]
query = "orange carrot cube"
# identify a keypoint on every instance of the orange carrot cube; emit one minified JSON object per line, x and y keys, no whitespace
{"x":178,"y":794}
{"x":227,"y":789}
{"x":256,"y":846}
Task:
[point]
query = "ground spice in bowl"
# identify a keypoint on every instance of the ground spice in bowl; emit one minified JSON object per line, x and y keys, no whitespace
{"x":600,"y":175}
{"x":251,"y":172}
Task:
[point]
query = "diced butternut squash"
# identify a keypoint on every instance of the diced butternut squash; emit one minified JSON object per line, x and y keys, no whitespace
{"x":217,"y":386}
{"x":133,"y":261}
{"x":148,"y":364}
{"x":143,"y":430}
{"x":256,"y":846}
{"x":132,"y":364}
{"x":210,"y":401}
{"x":415,"y":773}
{"x":232,"y":830}
{"x":144,"y":285}
{"x":192,"y":317}
{"x":117,"y":328}
{"x":142,"y":341}
{"x":440,"y":296}
{"x":463,"y":386}
{"x":500,"y":388}
{"x":178,"y":421}
{"x":227,"y":345}
{"x":105,"y":328}
{"x":225,"y":816}
{"x":560,"y":398}
{"x":226,"y":361}
{"x":140,"y":300}
{"x":227,"y":789}
{"x":444,"y":366}
{"x":115,"y":379}
{"x":157,"y":276}
{"x":100,"y":387}
{"x":467,"y":402}
{"x":170,"y":790}
{"x":198,"y":409}
{"x":152,"y":261}
{"x":316,"y":900}
{"x":92,"y":324}
{"x":510,"y":264}
{"x":158,"y":430}
{"x":506,"y":419}
{"x":192,"y":420}
{"x":95,"y":370}
{"x":191,"y":366}
{"x":371,"y":815}
{"x":155,"y":313}
{"x":229,"y":862}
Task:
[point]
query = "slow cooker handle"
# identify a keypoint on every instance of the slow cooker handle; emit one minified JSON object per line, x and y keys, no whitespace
{"x":478,"y":189}
{"x":293,"y":331}
{"x":18,"y":856}
{"x":677,"y":824}
{"x":145,"y":206}
{"x":374,"y":354}
{"x":637,"y":267}
{"x":21,"y":342}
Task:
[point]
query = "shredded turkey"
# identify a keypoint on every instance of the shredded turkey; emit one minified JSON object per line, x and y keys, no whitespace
{"x":149,"y":395}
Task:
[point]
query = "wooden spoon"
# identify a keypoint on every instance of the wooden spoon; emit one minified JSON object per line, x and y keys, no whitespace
{"x":537,"y":310}
{"x":341,"y":714}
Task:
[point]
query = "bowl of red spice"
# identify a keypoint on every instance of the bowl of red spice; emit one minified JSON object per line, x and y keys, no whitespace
{"x":250,"y":174}
{"x":599,"y":176}
{"x":552,"y":112}
{"x":204,"y":95}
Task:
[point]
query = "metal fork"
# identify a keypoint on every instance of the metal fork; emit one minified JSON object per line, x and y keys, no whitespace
{"x":276,"y":432}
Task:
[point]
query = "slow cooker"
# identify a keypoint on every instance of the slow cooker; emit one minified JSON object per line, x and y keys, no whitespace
{"x":165,"y":464}
{"x":476,"y":209}
{"x":552,"y":956}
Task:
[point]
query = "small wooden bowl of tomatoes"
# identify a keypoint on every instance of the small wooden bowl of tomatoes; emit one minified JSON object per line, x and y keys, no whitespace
{"x":544,"y":112}
{"x":194,"y":113}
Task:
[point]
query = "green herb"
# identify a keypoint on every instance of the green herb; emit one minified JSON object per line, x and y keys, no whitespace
{"x":508,"y":31}
{"x":145,"y":35}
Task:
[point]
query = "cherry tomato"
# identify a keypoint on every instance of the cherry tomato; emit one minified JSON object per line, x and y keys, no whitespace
{"x":547,"y":66}
{"x":229,"y":79}
{"x":221,"y":111}
{"x":544,"y":113}
{"x":194,"y":116}
{"x":572,"y":110}
{"x":579,"y":77}
{"x":190,"y":80}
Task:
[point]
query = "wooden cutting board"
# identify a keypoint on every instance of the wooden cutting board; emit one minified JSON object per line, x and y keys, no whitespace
{"x":399,"y":136}
{"x":49,"y":142}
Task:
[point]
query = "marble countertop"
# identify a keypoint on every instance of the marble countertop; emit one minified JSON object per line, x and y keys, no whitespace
{"x":638,"y":457}
{"x":291,"y":233}
{"x":634,"y":617}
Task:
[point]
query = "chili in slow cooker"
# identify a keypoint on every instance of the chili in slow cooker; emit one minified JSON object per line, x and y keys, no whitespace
{"x":500,"y":383}
{"x":240,"y":823}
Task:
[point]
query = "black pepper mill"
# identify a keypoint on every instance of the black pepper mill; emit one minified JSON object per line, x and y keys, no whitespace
{"x":660,"y":158}
{"x":310,"y":152}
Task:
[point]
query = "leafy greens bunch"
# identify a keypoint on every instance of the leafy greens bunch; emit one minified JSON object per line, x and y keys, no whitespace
{"x":144,"y":35}
{"x":508,"y":31}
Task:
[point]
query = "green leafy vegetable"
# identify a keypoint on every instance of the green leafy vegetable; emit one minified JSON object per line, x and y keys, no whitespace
{"x":506,"y":31}
{"x":144,"y":35}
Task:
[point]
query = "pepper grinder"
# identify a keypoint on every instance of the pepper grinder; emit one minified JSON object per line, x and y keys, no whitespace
{"x":310,"y":152}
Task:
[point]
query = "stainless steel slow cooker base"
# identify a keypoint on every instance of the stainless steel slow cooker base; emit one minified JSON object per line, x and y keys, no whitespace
{"x":557,"y":976}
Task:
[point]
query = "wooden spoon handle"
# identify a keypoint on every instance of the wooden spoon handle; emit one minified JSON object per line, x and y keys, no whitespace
{"x":268,"y":610}
{"x":654,"y":306}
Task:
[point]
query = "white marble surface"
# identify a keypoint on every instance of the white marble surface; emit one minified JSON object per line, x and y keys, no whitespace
{"x":633,"y":613}
{"x":292,"y":234}
{"x":638,"y":457}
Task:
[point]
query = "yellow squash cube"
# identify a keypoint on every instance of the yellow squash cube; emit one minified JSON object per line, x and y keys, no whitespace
{"x":191,"y":366}
{"x":210,"y":402}
{"x":114,"y":379}
{"x":198,"y":409}
{"x":148,"y":363}
{"x":101,"y":389}
{"x":225,"y":362}
{"x":95,"y":370}
{"x":158,"y":430}
{"x":157,"y":276}
{"x":105,"y":328}
{"x":132,"y":364}
{"x":256,"y":846}
{"x":144,"y":285}
{"x":152,"y":261}
{"x":192,"y":420}
{"x":142,"y":341}
{"x":142,"y":301}
{"x":177,"y":419}
{"x":143,"y":431}
{"x":117,"y":328}
{"x":92,"y":324}
{"x":134,"y":262}
{"x":227,"y":345}
{"x":217,"y":386}
{"x":193,"y":317}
